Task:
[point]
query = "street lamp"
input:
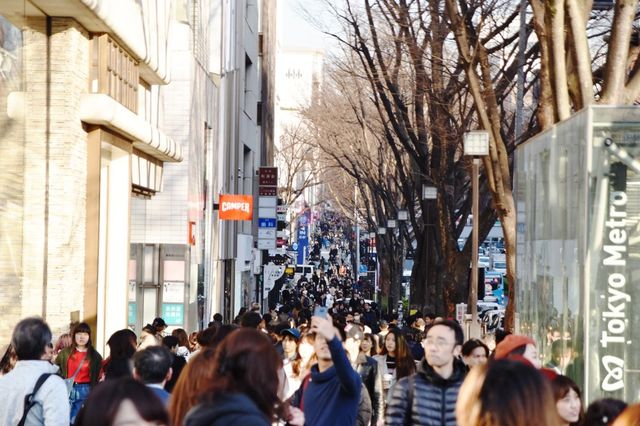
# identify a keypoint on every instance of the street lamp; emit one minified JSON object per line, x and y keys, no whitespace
{"x":476,"y":144}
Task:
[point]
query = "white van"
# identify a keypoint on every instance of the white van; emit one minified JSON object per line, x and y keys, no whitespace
{"x":303,"y":271}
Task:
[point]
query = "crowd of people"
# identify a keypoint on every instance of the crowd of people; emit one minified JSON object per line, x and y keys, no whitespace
{"x":325,"y":356}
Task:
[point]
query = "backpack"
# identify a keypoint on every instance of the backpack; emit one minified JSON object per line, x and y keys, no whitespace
{"x":29,"y":400}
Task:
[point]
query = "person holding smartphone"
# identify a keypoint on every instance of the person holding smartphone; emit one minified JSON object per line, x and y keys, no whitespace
{"x":330,"y":394}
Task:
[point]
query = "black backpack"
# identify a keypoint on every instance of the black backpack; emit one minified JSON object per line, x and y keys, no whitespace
{"x":29,"y":399}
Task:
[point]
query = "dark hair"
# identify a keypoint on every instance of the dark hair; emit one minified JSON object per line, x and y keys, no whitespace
{"x":205,"y":337}
{"x":500,"y":335}
{"x":217,"y":317}
{"x":251,"y":319}
{"x":454,"y":326}
{"x":472,"y":344}
{"x":170,"y":342}
{"x":561,"y":386}
{"x":183,"y":338}
{"x":603,"y":412}
{"x":30,"y":337}
{"x":405,"y":365}
{"x":506,"y":392}
{"x":122,"y":344}
{"x":246,"y":362}
{"x":103,"y":403}
{"x":81,"y":327}
{"x":223,"y":331}
{"x":152,"y":364}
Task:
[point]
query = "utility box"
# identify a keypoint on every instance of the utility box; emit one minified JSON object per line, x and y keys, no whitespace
{"x":577,"y":190}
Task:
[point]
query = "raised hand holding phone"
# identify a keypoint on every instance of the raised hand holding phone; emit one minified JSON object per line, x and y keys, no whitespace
{"x":323,"y":326}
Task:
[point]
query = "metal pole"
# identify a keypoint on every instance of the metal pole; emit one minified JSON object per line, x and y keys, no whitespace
{"x":355,"y":218}
{"x":473,"y":294}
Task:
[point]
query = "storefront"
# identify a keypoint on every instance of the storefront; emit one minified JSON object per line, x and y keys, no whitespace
{"x":578,"y":248}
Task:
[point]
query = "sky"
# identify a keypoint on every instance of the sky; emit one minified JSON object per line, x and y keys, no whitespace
{"x":295,"y":28}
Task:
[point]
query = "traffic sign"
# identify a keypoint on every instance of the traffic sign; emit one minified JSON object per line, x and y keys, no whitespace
{"x":266,"y":233}
{"x":266,"y":244}
{"x":264,"y":222}
{"x":268,"y":191}
{"x":268,"y":176}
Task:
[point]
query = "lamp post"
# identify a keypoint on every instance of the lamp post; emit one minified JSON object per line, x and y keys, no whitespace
{"x":476,"y":144}
{"x":403,"y":216}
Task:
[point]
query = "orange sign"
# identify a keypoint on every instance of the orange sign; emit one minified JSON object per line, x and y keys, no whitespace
{"x":236,"y":207}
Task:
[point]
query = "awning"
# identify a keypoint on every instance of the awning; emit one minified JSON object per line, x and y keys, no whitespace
{"x":96,"y":108}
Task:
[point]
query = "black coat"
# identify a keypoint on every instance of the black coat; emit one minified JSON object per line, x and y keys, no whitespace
{"x":371,"y":376}
{"x":434,"y":398}
{"x":233,"y":409}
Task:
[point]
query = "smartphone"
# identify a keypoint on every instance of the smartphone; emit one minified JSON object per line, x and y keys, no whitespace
{"x":320,"y":311}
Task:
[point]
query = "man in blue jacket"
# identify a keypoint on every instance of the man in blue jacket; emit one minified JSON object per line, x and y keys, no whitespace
{"x":331,"y":393}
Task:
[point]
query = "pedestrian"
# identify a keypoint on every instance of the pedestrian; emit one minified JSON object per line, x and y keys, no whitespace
{"x":505,"y":393}
{"x":330,"y":394}
{"x":122,"y":401}
{"x":178,"y":362}
{"x":515,"y":345}
{"x":429,"y":397}
{"x":568,"y":400}
{"x":64,"y":341}
{"x":148,"y":337}
{"x":395,"y":359}
{"x":474,"y":352}
{"x":184,"y":347}
{"x":152,"y":367}
{"x":291,"y":360}
{"x":195,"y":377}
{"x":81,"y":365}
{"x":369,"y":346}
{"x":244,"y":387}
{"x":369,"y":371}
{"x":122,"y":346}
{"x":33,"y":376}
{"x":603,"y":412}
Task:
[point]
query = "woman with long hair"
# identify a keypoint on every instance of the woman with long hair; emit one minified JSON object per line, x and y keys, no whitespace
{"x":244,"y":388}
{"x":568,"y":400}
{"x":369,"y":346}
{"x":122,"y":346}
{"x":395,"y":359}
{"x":506,"y":393}
{"x":184,"y":347}
{"x":192,"y":381}
{"x":122,"y":401}
{"x":82,"y":363}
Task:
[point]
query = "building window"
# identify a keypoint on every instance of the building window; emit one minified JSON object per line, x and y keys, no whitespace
{"x":114,"y":72}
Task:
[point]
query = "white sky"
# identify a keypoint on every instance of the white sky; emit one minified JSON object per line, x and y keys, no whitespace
{"x":294,"y":28}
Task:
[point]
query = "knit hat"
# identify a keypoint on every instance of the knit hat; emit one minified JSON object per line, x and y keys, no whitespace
{"x":510,"y":343}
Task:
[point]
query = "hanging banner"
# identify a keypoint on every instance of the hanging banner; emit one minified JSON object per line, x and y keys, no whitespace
{"x":236,"y":207}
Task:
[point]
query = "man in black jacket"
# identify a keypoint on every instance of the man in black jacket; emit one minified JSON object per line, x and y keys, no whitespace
{"x":369,"y":371}
{"x":429,"y":397}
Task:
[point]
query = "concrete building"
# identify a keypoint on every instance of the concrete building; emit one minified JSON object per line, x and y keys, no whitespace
{"x":81,"y":136}
{"x":233,"y":280}
{"x":173,"y":235}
